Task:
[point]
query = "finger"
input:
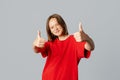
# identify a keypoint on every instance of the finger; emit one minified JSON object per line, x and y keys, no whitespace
{"x":80,"y":27}
{"x":39,"y":34}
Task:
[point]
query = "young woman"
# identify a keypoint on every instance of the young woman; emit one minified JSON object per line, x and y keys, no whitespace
{"x":63,"y":51}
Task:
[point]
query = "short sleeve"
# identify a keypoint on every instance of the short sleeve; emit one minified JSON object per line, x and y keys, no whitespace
{"x":81,"y":51}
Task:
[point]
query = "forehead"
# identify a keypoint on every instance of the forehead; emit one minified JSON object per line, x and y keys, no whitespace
{"x":53,"y":21}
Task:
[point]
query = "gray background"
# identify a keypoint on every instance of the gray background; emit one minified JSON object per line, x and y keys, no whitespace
{"x":20,"y":20}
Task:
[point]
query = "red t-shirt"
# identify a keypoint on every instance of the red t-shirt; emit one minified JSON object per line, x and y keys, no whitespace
{"x":63,"y":58}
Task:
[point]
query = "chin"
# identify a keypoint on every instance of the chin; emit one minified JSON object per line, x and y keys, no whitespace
{"x":59,"y":34}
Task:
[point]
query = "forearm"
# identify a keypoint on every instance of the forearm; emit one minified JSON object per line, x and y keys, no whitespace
{"x":89,"y":44}
{"x":42,"y":50}
{"x":36,"y":49}
{"x":37,"y":46}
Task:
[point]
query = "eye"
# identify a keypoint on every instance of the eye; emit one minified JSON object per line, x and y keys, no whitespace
{"x":57,"y":25}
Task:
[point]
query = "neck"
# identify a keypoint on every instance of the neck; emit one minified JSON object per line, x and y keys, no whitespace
{"x":63,"y":37}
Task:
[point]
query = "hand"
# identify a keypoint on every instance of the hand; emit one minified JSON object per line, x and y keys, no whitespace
{"x":81,"y":35}
{"x":39,"y":41}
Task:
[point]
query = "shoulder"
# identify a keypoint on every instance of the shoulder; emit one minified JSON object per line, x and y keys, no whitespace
{"x":71,"y":37}
{"x":48,"y":43}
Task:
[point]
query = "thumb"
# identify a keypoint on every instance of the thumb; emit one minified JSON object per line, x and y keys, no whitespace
{"x":80,"y":27}
{"x":38,"y":34}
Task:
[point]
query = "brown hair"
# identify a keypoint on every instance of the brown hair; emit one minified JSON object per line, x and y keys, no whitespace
{"x":60,"y":20}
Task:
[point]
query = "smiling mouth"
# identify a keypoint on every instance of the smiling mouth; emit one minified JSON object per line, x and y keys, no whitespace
{"x":57,"y":31}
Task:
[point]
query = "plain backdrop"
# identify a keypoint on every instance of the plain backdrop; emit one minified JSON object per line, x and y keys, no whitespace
{"x":20,"y":20}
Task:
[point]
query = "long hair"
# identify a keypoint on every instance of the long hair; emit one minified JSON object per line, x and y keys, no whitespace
{"x":52,"y":37}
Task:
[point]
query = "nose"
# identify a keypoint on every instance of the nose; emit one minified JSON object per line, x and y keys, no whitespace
{"x":56,"y":28}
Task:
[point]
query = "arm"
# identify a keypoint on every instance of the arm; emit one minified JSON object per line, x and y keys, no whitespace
{"x":89,"y":44}
{"x":36,"y":49}
{"x":82,"y":36}
{"x":38,"y":43}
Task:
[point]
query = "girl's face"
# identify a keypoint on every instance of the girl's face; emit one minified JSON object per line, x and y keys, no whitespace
{"x":55,"y":27}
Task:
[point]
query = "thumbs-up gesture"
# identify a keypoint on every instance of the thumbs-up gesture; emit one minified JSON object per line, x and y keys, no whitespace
{"x":39,"y":41}
{"x":80,"y":35}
